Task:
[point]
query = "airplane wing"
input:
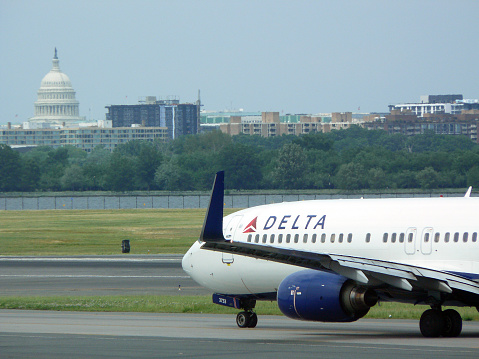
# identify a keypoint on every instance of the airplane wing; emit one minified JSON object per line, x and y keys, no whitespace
{"x":368,"y":271}
{"x":363,"y":270}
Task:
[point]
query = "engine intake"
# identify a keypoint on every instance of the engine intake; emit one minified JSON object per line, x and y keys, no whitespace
{"x":324,"y":297}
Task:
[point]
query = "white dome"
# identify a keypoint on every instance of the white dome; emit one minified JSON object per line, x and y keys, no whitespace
{"x":56,"y":78}
{"x":56,"y":101}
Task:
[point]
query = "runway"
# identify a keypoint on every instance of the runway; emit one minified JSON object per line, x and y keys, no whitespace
{"x":95,"y":275}
{"x":38,"y":334}
{"x":42,"y":334}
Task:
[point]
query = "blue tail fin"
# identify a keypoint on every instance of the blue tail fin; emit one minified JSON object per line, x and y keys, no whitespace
{"x":213,"y":226}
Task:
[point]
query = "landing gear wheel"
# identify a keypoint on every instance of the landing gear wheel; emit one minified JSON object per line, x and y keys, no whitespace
{"x":243,"y":319}
{"x":253,"y":320}
{"x":452,"y":323}
{"x":431,"y":323}
{"x":246,"y":319}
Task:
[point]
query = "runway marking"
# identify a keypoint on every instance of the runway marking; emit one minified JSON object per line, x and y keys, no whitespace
{"x":87,"y":259}
{"x":88,"y":276}
{"x":325,"y":344}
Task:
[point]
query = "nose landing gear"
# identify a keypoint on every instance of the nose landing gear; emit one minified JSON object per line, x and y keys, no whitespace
{"x":435,"y":323}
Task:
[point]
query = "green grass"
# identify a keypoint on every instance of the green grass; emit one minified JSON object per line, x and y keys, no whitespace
{"x":100,"y":232}
{"x":191,"y":304}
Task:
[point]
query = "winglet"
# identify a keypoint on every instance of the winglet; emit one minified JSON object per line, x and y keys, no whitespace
{"x":468,"y":193}
{"x":213,"y":226}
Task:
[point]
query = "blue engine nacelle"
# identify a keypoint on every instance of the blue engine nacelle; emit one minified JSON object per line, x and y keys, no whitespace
{"x":323,"y":297}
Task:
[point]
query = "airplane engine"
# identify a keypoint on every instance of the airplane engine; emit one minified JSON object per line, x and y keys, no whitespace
{"x":325,"y":297}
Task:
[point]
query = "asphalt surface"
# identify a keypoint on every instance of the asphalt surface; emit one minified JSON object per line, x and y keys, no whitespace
{"x":44,"y":334}
{"x":95,"y":275}
{"x":38,"y":334}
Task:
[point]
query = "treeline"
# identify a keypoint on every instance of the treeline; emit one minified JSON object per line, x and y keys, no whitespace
{"x":347,"y":159}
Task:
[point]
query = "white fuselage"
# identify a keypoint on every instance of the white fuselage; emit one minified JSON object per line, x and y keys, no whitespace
{"x":434,"y":233}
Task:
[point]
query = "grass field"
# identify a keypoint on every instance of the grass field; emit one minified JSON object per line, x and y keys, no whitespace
{"x":72,"y":232}
{"x":191,"y":304}
{"x":75,"y":232}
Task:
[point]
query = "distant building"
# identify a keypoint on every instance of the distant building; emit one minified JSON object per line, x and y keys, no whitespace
{"x":179,"y":119}
{"x":270,"y":124}
{"x":457,"y":117}
{"x":56,"y":103}
{"x":85,"y":138}
{"x":437,"y":104}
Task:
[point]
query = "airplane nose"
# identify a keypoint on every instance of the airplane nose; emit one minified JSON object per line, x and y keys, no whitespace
{"x":187,"y":261}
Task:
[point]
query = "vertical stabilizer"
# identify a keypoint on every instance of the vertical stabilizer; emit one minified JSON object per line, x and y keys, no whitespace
{"x":468,"y":193}
{"x":213,"y":225}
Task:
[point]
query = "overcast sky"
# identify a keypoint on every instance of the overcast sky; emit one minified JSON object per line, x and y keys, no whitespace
{"x":287,"y":56}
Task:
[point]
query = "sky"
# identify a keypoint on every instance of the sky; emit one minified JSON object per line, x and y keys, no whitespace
{"x":265,"y":55}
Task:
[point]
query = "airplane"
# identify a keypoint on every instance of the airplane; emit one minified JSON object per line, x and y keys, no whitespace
{"x":332,"y":260}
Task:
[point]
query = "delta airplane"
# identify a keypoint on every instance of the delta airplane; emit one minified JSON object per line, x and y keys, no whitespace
{"x":332,"y":260}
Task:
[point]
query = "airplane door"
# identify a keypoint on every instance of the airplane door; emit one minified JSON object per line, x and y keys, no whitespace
{"x":229,"y":233}
{"x":410,"y":241}
{"x":426,"y":241}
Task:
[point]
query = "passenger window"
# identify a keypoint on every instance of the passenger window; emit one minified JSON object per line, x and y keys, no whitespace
{"x":296,"y":238}
{"x":436,"y":237}
{"x":305,"y":238}
{"x":271,"y":238}
{"x":401,"y":237}
{"x":385,"y":237}
{"x":340,"y":239}
{"x":368,"y":237}
{"x":393,"y":238}
{"x":280,"y":238}
{"x":474,"y":236}
{"x":456,"y":237}
{"x":249,"y":237}
{"x":333,"y":237}
{"x":464,"y":237}
{"x":410,"y":237}
{"x":446,"y":237}
{"x":265,"y":237}
{"x":426,"y":237}
{"x":313,"y":239}
{"x":350,"y":237}
{"x":288,"y":238}
{"x":256,"y":238}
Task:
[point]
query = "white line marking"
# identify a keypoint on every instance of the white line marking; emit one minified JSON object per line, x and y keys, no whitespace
{"x":67,"y":259}
{"x":88,"y":276}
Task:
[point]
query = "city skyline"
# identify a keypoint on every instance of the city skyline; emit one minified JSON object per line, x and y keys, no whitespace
{"x":291,"y":57}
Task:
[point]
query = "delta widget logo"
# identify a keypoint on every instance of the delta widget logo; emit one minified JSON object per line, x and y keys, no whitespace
{"x":251,"y":227}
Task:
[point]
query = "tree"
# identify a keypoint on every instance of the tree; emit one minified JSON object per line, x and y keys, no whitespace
{"x":290,"y":171}
{"x":120,"y":175}
{"x":350,"y":176}
{"x":148,"y":160}
{"x":242,"y":166}
{"x":73,"y":179}
{"x":10,"y":169}
{"x":30,"y":176}
{"x":376,"y":178}
{"x":428,"y":178}
{"x":473,"y":177}
{"x":171,"y":176}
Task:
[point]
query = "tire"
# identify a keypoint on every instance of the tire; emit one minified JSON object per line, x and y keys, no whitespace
{"x":243,"y":319}
{"x":253,"y":320}
{"x":452,"y":323}
{"x":431,"y":323}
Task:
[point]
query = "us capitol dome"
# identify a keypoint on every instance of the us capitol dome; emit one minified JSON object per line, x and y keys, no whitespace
{"x":56,"y":101}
